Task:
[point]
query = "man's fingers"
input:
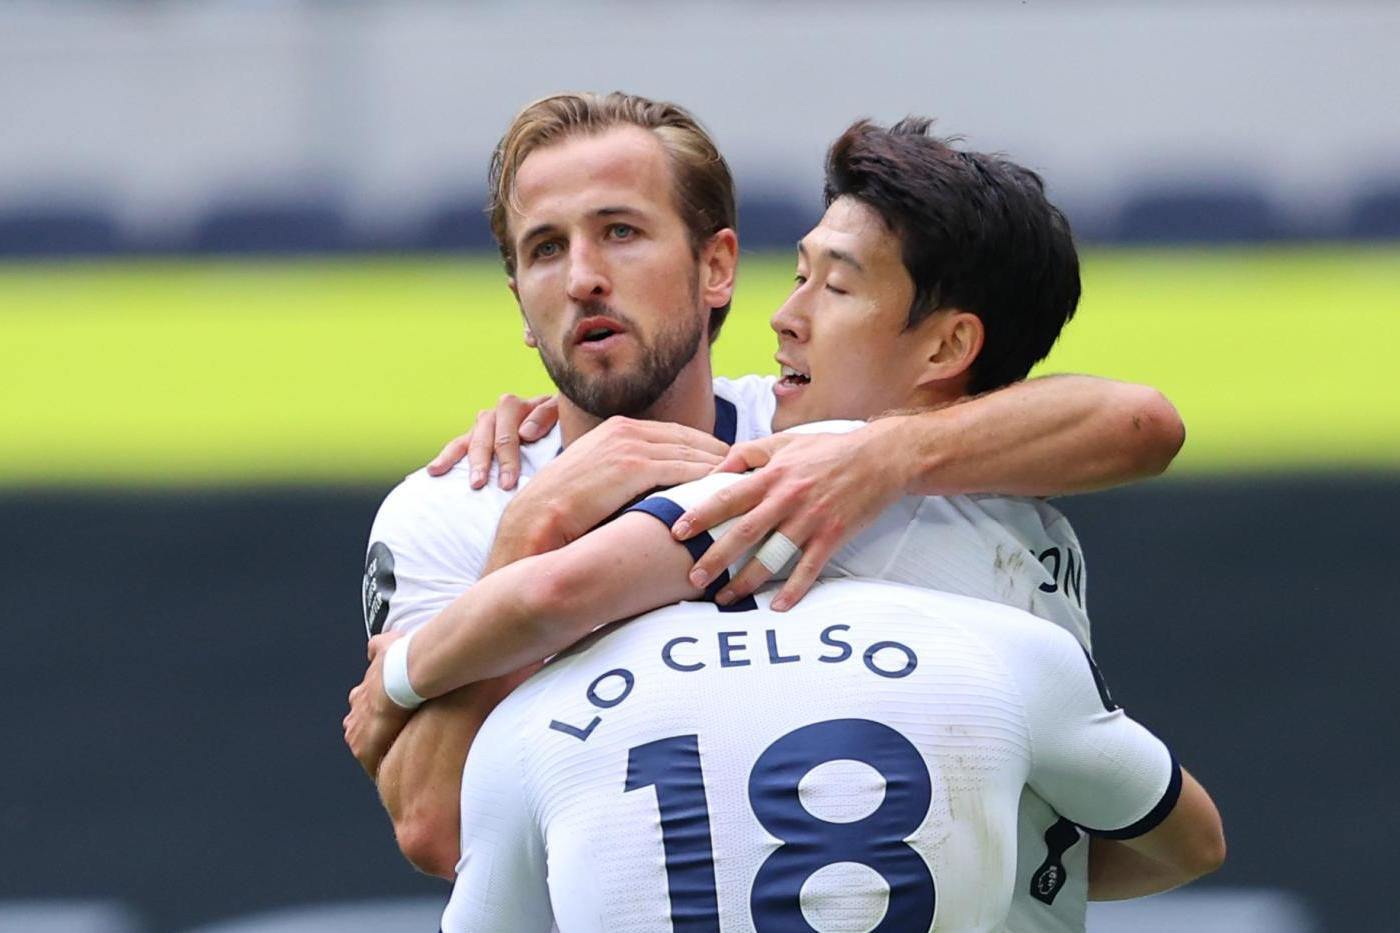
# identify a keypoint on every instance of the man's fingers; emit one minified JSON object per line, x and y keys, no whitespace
{"x":685,"y":452}
{"x":681,"y":434}
{"x":542,"y":418}
{"x":510,"y":413}
{"x":450,"y":455}
{"x":482,"y":446}
{"x":377,"y":644}
{"x":617,"y":429}
{"x":668,"y":473}
{"x":732,"y":500}
{"x":740,"y":537}
{"x":749,"y":579}
{"x":733,"y":462}
{"x":808,"y":569}
{"x":751,"y":455}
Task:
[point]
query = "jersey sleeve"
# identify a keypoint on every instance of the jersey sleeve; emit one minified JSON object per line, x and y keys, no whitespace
{"x":1089,"y":760}
{"x":429,"y":544}
{"x":671,"y":504}
{"x":502,"y":881}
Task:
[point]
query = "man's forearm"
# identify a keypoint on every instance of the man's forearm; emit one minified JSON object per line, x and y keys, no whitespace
{"x":544,"y":603}
{"x":420,"y":779}
{"x":1189,"y":843}
{"x":1054,"y":435}
{"x":1117,"y":873}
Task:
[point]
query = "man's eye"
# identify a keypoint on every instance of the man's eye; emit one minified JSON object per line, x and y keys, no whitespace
{"x":799,"y":280}
{"x":545,"y":250}
{"x":836,"y":291}
{"x":621,"y":231}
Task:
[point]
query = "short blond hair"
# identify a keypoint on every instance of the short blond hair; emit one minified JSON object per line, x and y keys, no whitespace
{"x":704,"y":186}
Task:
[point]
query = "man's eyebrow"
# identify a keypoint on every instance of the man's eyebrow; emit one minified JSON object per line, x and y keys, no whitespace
{"x":620,"y":210}
{"x":535,"y":231}
{"x":837,"y":255}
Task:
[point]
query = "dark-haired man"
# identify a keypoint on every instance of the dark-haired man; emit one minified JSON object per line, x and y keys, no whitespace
{"x":656,"y":705}
{"x":570,"y":255}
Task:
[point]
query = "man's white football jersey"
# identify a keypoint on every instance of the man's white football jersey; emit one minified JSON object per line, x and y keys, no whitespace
{"x":432,"y":536}
{"x":853,"y":764}
{"x":1014,"y":550}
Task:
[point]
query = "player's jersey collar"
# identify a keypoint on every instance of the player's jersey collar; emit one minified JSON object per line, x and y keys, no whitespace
{"x":726,"y":420}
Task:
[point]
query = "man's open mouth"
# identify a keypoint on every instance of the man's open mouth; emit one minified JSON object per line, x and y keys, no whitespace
{"x":794,"y":377}
{"x":596,"y":329}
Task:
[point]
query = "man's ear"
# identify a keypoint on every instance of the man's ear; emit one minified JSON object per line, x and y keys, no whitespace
{"x":954,"y":343}
{"x":530,"y":339}
{"x":718,"y":263}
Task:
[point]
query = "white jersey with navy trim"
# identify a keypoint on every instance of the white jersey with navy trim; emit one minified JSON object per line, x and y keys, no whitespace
{"x":1017,"y":551}
{"x":857,"y":758}
{"x":432,"y":535}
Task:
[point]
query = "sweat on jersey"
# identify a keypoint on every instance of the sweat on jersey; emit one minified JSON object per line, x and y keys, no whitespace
{"x":859,"y":757}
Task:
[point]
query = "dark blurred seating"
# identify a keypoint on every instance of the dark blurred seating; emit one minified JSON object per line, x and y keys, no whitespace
{"x":58,"y":232}
{"x":460,"y":225}
{"x":1376,"y":214}
{"x":775,"y":222}
{"x":1217,"y":214}
{"x":273,"y":227}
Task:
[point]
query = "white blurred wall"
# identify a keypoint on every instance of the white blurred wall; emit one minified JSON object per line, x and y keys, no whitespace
{"x":159,"y":107}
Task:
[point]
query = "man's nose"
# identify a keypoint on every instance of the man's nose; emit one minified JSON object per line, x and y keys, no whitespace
{"x":790,"y":320}
{"x":587,"y":276}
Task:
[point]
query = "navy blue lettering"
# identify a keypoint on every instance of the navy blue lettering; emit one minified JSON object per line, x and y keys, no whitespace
{"x":808,"y":844}
{"x":1054,"y":584}
{"x":672,"y":663}
{"x":673,"y":767}
{"x":911,"y":659}
{"x":726,"y":649}
{"x":627,"y":683}
{"x":580,"y":734}
{"x":829,"y":639}
{"x":773,"y":656}
{"x":1074,"y":576}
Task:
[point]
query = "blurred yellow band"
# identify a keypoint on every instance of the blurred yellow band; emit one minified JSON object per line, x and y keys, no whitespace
{"x":357,"y":369}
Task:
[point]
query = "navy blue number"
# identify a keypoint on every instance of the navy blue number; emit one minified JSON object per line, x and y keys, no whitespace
{"x":810,"y":844}
{"x":673,"y":767}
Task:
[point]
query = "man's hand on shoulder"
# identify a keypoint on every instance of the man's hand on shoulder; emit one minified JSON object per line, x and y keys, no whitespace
{"x":817,"y":490}
{"x":600,"y":473}
{"x":497,"y":435}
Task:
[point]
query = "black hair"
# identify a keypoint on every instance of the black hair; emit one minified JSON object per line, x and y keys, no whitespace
{"x":976,"y":233}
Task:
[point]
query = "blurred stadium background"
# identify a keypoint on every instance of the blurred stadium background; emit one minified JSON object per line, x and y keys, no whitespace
{"x":245,"y":285}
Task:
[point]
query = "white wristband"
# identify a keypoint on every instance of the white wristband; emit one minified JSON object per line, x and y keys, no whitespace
{"x":396,"y":682}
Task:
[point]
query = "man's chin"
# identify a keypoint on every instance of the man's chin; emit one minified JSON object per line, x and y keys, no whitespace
{"x":606,"y":396}
{"x":788,"y":414}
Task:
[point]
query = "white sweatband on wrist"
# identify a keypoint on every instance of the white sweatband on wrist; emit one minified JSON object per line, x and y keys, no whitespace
{"x":776,"y":552}
{"x":396,"y":682}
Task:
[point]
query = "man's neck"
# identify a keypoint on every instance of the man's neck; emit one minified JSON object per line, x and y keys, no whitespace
{"x":936,"y":395}
{"x":689,"y":401}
